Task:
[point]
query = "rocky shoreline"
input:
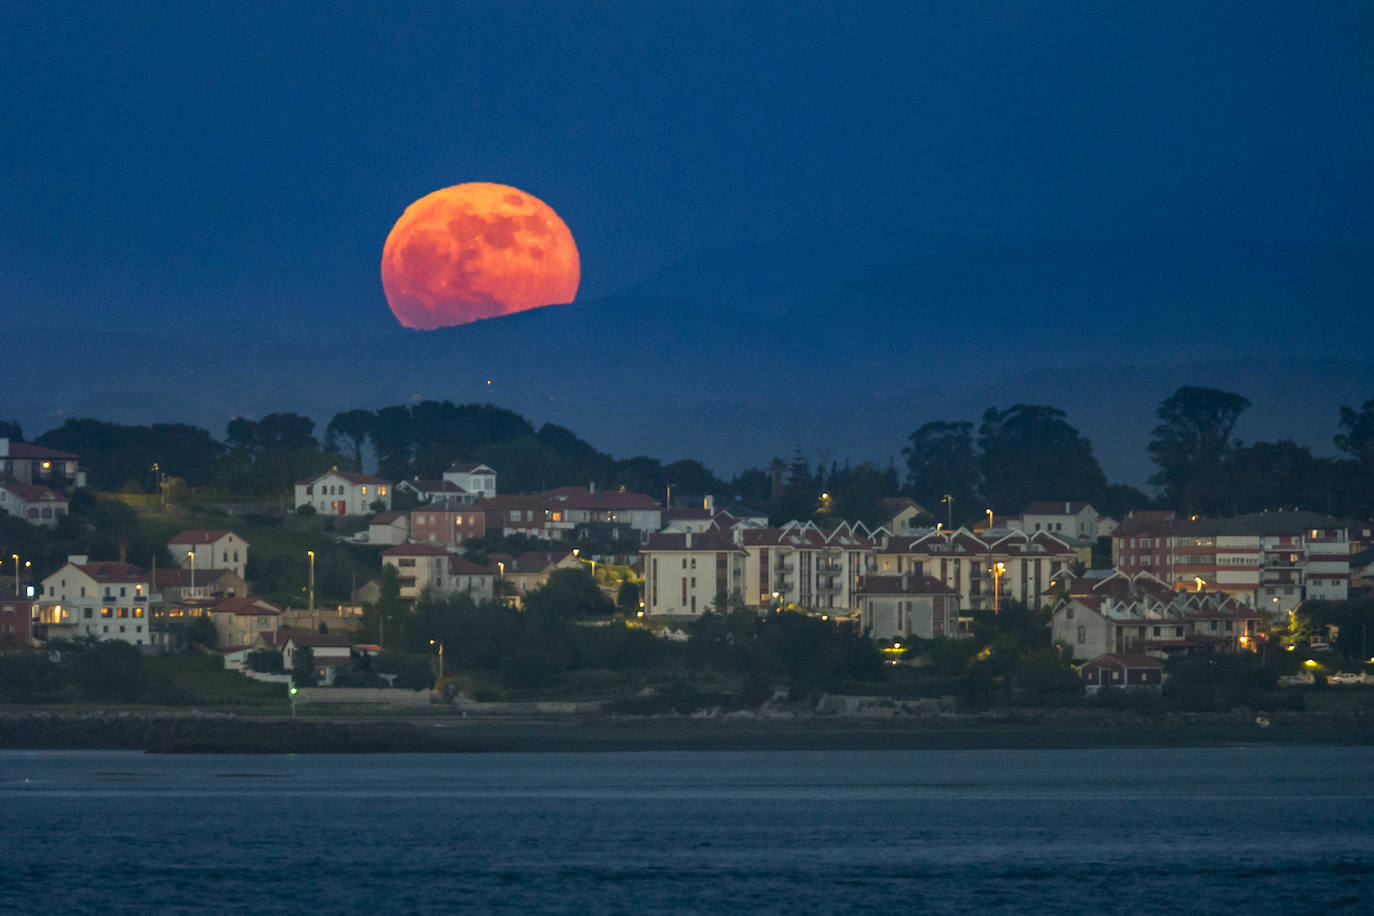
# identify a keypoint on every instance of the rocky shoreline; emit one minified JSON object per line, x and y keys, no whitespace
{"x":199,"y":732}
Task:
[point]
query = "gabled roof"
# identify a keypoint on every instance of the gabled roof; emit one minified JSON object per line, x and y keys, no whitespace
{"x":461,"y":566}
{"x":434,"y":486}
{"x":352,"y":477}
{"x":113,"y":571}
{"x":415,"y":550}
{"x":33,"y":493}
{"x":316,"y":640}
{"x":583,"y":498}
{"x":467,"y":467}
{"x":709,"y":540}
{"x":201,"y":536}
{"x":244,"y":607}
{"x":533,"y":561}
{"x":37,"y":452}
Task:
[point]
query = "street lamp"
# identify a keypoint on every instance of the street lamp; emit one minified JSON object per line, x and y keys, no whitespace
{"x":291,"y":694}
{"x":311,"y":555}
{"x":440,"y":644}
{"x":16,"y":575}
{"x":989,"y":512}
{"x":998,"y":569}
{"x":948,"y":500}
{"x":191,"y":555}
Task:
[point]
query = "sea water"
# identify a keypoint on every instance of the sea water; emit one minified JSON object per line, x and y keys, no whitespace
{"x":1238,"y":829}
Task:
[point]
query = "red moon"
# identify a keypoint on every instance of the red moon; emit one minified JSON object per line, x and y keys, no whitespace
{"x":476,"y":251}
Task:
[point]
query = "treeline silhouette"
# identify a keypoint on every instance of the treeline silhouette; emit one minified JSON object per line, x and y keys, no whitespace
{"x":1017,"y":455}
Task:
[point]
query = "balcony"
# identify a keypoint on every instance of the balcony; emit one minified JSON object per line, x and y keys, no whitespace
{"x":783,"y":566}
{"x":829,"y":568}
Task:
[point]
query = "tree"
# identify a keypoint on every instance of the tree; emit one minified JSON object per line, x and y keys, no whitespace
{"x":201,"y":632}
{"x":940,"y":461}
{"x":9,"y":429}
{"x":1357,"y":440}
{"x":800,"y":492}
{"x":569,"y":593}
{"x":352,"y":427}
{"x":627,"y":598}
{"x":303,"y":667}
{"x":1191,"y":446}
{"x":1030,"y":452}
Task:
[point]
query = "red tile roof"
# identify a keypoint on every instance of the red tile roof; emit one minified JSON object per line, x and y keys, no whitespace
{"x":113,"y":571}
{"x":199,"y":536}
{"x":460,"y":566}
{"x":415,"y":550}
{"x":244,"y":607}
{"x":37,"y":452}
{"x":33,"y":493}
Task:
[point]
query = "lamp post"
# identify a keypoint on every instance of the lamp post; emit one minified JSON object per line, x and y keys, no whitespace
{"x":291,"y":694}
{"x":311,"y":555}
{"x":500,"y":581}
{"x":989,"y":512}
{"x":16,"y":575}
{"x":191,"y":555}
{"x":440,"y":644}
{"x":948,"y":500}
{"x":998,"y":569}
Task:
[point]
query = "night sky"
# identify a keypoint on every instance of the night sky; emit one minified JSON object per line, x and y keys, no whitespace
{"x":184,"y":167}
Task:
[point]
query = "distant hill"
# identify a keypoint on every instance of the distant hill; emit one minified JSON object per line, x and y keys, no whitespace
{"x":1103,"y":330}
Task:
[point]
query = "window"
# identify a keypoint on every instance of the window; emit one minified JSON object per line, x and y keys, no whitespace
{"x":1082,"y":634}
{"x":1156,"y":632}
{"x":1069,"y":612}
{"x":122,"y":613}
{"x":1178,"y":631}
{"x":1230,"y":626}
{"x":89,"y":613}
{"x":138,"y":612}
{"x":106,"y":612}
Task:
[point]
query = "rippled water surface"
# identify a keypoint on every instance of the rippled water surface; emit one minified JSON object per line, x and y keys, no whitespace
{"x":1219,"y":829}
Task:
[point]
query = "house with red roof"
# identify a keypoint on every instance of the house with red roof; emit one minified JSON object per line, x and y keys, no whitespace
{"x":23,"y":462}
{"x":34,"y":503}
{"x":388,"y":528}
{"x":104,"y":599}
{"x":426,"y":566}
{"x":238,"y":621}
{"x":329,"y":651}
{"x":1001,"y":563}
{"x":896,"y":607}
{"x":1107,"y":611}
{"x":338,"y":492}
{"x":448,"y":528}
{"x":1122,"y":670}
{"x":685,"y":573}
{"x":216,"y":548}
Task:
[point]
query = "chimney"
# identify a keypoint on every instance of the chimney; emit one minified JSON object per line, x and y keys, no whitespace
{"x":689,"y":540}
{"x":4,"y":447}
{"x":1066,"y":507}
{"x":906,"y":582}
{"x":591,"y":487}
{"x":709,"y":504}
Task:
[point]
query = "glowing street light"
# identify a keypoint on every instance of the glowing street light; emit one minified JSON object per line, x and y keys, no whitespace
{"x":311,"y":555}
{"x":440,"y":644}
{"x":999,"y":569}
{"x":989,"y":512}
{"x":191,"y":555}
{"x":948,"y":500}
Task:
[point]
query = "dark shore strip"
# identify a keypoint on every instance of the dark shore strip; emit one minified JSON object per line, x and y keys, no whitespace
{"x":224,"y":734}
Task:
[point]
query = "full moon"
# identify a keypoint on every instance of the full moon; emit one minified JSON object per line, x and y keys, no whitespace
{"x":475,"y":251}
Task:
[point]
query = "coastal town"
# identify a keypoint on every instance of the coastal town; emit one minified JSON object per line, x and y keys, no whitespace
{"x":1110,"y":604}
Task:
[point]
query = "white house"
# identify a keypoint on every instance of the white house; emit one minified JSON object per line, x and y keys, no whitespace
{"x":426,"y":566}
{"x":477,"y":481}
{"x":35,"y":504}
{"x":213,"y":549}
{"x":23,"y":462}
{"x":896,"y":607}
{"x":1075,"y":522}
{"x":388,"y":528}
{"x":329,"y":651}
{"x":800,"y":564}
{"x":685,"y":572}
{"x":343,"y":493}
{"x":104,"y":600}
{"x":238,"y":621}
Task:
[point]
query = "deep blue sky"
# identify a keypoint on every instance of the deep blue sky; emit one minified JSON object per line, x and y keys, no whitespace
{"x":169,"y":164}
